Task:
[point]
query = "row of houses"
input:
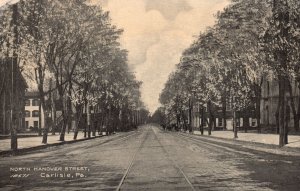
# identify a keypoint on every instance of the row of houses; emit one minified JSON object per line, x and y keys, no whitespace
{"x":247,"y":119}
{"x":244,"y":119}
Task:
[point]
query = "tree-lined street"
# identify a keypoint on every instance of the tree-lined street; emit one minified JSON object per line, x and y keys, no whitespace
{"x":154,"y":159}
{"x":149,"y":95}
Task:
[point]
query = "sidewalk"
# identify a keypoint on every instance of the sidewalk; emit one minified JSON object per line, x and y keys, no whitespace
{"x":21,"y":135}
{"x":36,"y":142}
{"x":270,"y":139}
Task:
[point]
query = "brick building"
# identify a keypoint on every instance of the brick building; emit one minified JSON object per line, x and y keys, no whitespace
{"x":12,"y":93}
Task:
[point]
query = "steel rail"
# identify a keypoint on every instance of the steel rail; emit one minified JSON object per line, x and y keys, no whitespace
{"x":174,"y":163}
{"x":131,"y":163}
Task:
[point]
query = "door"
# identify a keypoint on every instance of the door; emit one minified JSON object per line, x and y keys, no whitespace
{"x":229,"y":124}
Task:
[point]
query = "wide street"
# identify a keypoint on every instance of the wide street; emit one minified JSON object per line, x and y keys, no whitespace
{"x":151,"y":159}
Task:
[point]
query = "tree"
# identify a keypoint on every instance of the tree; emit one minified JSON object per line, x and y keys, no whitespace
{"x":34,"y":17}
{"x":279,"y":43}
{"x":74,"y":45}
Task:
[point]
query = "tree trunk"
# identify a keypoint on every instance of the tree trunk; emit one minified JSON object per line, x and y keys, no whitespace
{"x":137,"y":118}
{"x":211,"y":117}
{"x":14,"y":70}
{"x":293,"y":106}
{"x":184,"y":121}
{"x":88,"y":119}
{"x":46,"y":111}
{"x":224,"y":113}
{"x":281,"y":114}
{"x":287,"y":119}
{"x":13,"y":136}
{"x":281,"y":57}
{"x":64,"y":125}
{"x":190,"y":115}
{"x":297,"y":117}
{"x":69,"y":108}
{"x":177,"y":120}
{"x":277,"y":117}
{"x":235,"y":128}
{"x":4,"y":113}
{"x":245,"y":127}
{"x":257,"y":109}
{"x":85,"y":126}
{"x":46,"y":129}
{"x":53,"y":110}
{"x":60,"y":89}
{"x":40,"y":120}
{"x":202,"y":121}
{"x":109,"y":122}
{"x":282,"y":111}
{"x":77,"y":120}
{"x":94,"y":124}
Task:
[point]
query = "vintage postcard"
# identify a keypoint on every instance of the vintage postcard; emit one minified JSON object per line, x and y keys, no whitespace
{"x":149,"y":95}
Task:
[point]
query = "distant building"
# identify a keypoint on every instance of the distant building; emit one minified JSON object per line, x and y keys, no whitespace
{"x":33,"y":111}
{"x":224,"y":121}
{"x":269,"y":103}
{"x":12,"y":93}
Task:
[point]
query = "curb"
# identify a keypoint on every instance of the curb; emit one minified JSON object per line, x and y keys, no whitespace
{"x":39,"y":147}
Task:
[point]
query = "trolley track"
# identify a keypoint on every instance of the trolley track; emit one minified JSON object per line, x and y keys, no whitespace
{"x":131,"y":162}
{"x":133,"y":159}
{"x":174,"y":163}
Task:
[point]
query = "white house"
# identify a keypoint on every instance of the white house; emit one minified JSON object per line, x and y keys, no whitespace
{"x":33,"y":111}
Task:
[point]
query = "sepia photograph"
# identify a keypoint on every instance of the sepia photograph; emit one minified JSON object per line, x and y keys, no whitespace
{"x":158,"y":95}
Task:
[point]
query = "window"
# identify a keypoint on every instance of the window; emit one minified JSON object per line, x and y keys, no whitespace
{"x":26,"y":124}
{"x":35,"y":113}
{"x":35,"y":102}
{"x":27,"y":113}
{"x":220,"y":122}
{"x":253,"y":122}
{"x":36,"y":124}
{"x":240,"y":122}
{"x":27,"y":102}
{"x":206,"y":122}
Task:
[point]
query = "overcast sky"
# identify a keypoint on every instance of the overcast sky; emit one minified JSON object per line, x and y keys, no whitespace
{"x":155,"y":34}
{"x":3,"y":2}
